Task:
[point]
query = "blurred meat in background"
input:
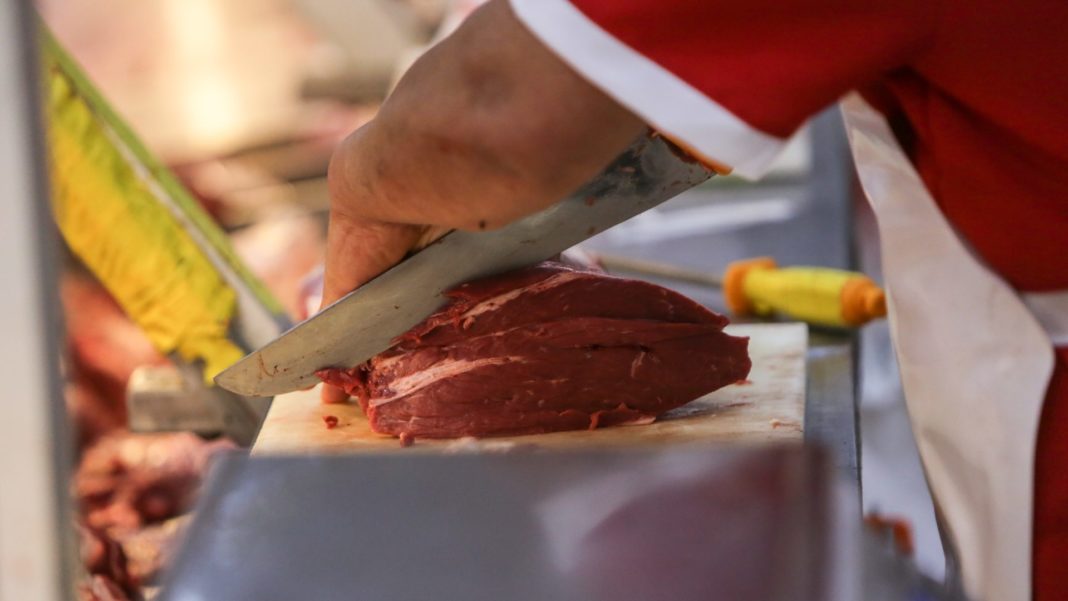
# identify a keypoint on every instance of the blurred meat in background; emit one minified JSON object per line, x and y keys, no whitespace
{"x":245,"y":101}
{"x":131,"y":489}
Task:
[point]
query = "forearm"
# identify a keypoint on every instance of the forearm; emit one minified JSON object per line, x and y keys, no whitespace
{"x":485,"y":128}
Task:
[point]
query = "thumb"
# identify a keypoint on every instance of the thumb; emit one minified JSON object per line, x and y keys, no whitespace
{"x":357,"y":250}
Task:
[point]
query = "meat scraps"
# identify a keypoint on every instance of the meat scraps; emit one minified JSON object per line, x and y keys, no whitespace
{"x":132,"y":491}
{"x":104,"y":348}
{"x":544,"y":349}
{"x":100,"y":588}
{"x":129,"y":480}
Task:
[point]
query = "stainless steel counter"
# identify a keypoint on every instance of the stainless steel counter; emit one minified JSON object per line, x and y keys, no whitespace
{"x":682,"y":523}
{"x":677,"y":523}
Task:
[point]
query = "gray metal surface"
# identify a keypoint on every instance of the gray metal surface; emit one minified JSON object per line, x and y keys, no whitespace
{"x":160,"y":398}
{"x":682,"y":523}
{"x":830,"y":413}
{"x":686,"y":523}
{"x":174,"y":398}
{"x":367,"y":320}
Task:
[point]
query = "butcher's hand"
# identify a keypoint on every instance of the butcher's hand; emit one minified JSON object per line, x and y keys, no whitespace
{"x":487,"y":127}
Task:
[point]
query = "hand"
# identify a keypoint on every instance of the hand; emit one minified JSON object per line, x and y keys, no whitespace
{"x":378,"y":246}
{"x":358,"y":249}
{"x":487,"y":127}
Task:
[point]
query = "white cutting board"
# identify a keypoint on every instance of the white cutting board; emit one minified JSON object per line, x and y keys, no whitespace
{"x":769,"y":408}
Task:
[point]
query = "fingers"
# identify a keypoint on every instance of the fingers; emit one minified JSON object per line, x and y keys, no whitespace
{"x":360,"y":244}
{"x":358,"y":250}
{"x":332,"y":395}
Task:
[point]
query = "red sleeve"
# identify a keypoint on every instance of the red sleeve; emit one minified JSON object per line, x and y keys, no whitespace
{"x":758,"y":65}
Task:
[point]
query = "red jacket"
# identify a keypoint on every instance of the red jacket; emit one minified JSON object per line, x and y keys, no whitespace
{"x":977,"y":92}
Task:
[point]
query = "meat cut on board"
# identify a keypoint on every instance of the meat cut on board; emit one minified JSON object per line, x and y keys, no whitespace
{"x":544,"y":349}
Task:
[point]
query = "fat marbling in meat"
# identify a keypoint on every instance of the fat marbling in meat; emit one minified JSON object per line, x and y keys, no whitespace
{"x":544,"y":349}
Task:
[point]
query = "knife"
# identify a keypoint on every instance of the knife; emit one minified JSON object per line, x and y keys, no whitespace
{"x":367,"y":320}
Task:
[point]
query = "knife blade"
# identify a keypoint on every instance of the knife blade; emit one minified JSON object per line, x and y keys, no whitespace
{"x":367,"y":320}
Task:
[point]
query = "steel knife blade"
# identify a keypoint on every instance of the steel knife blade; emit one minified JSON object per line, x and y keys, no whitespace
{"x":367,"y":320}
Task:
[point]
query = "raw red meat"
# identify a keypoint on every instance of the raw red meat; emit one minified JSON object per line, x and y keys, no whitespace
{"x":104,"y":348}
{"x":102,"y":555}
{"x":100,"y":588}
{"x":149,"y":549}
{"x":543,"y":349}
{"x":128,"y":480}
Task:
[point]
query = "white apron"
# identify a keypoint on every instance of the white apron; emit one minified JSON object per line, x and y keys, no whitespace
{"x":974,"y":362}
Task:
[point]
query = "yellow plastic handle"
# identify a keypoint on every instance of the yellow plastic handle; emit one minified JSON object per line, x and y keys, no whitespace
{"x":821,"y":296}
